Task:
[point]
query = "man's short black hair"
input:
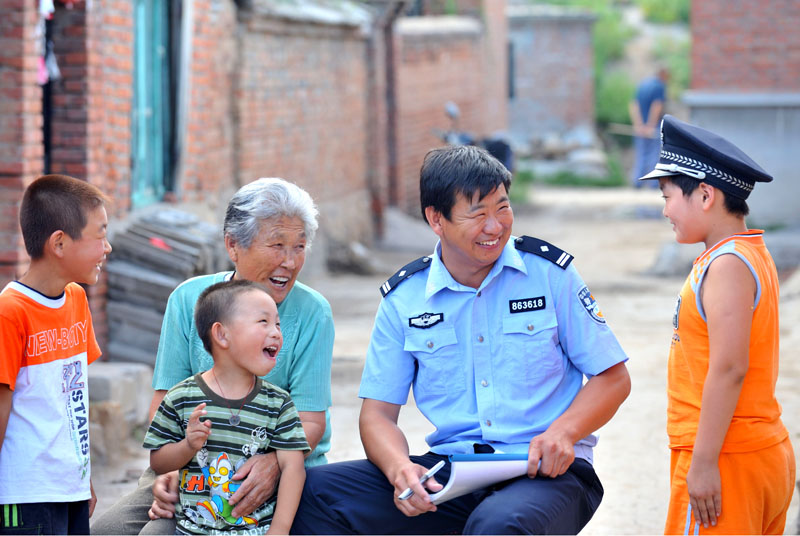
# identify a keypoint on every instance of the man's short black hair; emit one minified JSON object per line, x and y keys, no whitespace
{"x":735,"y":205}
{"x":216,"y":303}
{"x":463,"y":169}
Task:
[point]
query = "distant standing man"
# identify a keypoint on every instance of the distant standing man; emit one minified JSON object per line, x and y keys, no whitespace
{"x":495,"y":335}
{"x":646,"y":111}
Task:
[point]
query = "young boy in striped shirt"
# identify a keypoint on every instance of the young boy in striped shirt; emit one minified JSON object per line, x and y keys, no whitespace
{"x":208,"y":425}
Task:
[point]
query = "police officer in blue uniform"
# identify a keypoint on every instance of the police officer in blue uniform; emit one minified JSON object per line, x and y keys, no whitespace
{"x":495,"y":336}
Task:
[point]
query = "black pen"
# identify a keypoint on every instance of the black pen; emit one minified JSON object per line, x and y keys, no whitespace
{"x":429,"y":473}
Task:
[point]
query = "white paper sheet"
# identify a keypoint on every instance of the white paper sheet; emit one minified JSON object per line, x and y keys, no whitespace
{"x":469,"y":472}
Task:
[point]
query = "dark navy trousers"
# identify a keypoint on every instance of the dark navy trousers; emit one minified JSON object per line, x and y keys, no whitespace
{"x":355,"y":498}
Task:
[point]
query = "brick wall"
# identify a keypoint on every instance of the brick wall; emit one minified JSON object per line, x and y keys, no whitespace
{"x":91,"y":109}
{"x":745,"y":86}
{"x":91,"y":103}
{"x":301,"y":106}
{"x":209,"y":153}
{"x":268,"y":95}
{"x":741,"y":45}
{"x":438,"y":59}
{"x":109,"y":45}
{"x":20,"y":126}
{"x":553,"y":85}
{"x":69,"y":111}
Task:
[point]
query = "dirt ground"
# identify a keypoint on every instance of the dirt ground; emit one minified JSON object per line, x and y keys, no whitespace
{"x":615,"y":236}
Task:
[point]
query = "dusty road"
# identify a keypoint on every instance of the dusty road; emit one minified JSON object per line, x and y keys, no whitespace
{"x":615,"y":238}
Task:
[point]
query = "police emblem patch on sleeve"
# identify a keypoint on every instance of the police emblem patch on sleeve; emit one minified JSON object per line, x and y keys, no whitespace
{"x":590,"y":305}
{"x":425,"y":320}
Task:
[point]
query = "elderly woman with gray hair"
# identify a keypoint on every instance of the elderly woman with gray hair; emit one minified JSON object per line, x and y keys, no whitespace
{"x":269,"y":226}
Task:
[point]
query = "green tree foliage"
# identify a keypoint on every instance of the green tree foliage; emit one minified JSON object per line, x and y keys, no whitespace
{"x":613,"y":92}
{"x":675,"y":53}
{"x":667,"y":11}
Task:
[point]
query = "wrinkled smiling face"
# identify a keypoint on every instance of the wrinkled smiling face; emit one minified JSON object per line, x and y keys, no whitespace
{"x":220,"y":471}
{"x":274,"y":258}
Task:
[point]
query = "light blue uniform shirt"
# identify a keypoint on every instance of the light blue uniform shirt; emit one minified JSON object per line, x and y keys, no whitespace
{"x":304,"y":363}
{"x":494,"y":365}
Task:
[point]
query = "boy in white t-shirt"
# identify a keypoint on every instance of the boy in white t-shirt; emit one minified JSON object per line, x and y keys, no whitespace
{"x":46,"y":343}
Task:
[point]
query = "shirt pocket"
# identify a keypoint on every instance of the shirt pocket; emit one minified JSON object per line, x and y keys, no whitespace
{"x":531,"y":355}
{"x":440,"y":367}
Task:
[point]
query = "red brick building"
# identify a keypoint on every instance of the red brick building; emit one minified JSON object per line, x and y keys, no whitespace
{"x":745,"y":85}
{"x":188,"y":100}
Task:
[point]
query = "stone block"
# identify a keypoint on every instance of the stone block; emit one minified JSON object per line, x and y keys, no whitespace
{"x":109,"y":432}
{"x":675,"y":260}
{"x":126,"y":384}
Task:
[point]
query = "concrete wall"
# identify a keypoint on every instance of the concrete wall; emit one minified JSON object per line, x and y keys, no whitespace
{"x":553,"y":61}
{"x":746,"y":86}
{"x":767,"y":128}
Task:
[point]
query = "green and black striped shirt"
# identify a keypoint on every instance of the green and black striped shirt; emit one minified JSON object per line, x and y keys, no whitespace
{"x":268,"y":421}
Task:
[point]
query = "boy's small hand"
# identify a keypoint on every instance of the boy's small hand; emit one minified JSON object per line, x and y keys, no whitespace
{"x":705,"y":492}
{"x":197,"y":431}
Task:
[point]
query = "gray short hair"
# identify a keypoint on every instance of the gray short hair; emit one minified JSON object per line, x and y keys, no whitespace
{"x":264,"y":199}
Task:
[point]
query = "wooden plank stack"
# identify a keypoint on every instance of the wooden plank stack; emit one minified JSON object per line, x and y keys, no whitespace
{"x":151,"y":256}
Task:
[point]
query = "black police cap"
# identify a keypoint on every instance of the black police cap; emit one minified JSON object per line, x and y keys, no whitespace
{"x":695,"y":152}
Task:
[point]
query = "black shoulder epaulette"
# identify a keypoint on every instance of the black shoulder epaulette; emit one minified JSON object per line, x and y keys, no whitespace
{"x":557,"y":256}
{"x":403,"y":273}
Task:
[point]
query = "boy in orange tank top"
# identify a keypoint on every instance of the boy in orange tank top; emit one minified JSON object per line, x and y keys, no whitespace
{"x":732,"y":464}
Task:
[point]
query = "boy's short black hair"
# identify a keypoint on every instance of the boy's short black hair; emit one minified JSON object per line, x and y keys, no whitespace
{"x":56,"y":203}
{"x":216,"y":303}
{"x":735,"y":205}
{"x":464,"y":169}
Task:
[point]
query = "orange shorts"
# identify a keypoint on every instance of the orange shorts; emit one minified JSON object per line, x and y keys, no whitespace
{"x":756,"y":491}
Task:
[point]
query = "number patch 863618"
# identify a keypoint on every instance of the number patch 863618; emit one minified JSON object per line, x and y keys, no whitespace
{"x":526,"y":304}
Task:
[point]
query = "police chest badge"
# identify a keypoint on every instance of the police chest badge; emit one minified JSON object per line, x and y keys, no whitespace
{"x":425,"y":320}
{"x":590,"y":305}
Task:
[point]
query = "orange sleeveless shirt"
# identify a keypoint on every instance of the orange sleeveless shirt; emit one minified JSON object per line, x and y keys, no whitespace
{"x":756,"y":422}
